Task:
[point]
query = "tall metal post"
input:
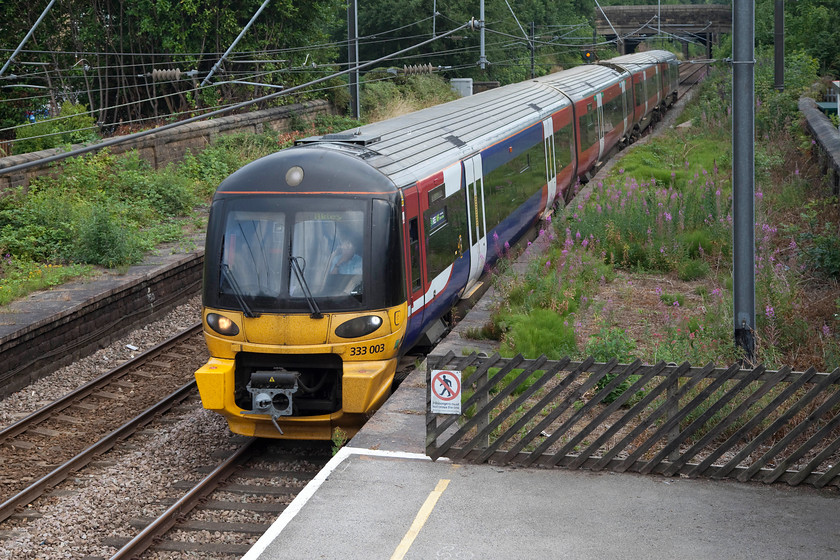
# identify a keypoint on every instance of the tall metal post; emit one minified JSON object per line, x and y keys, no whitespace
{"x":482,"y":60}
{"x":779,"y":46}
{"x":353,"y":56}
{"x":743,"y":173}
{"x":531,"y":44}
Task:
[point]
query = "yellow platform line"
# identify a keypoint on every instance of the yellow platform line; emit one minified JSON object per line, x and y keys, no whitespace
{"x":420,"y":520}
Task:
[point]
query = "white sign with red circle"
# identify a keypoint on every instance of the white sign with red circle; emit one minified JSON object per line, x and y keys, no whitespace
{"x":446,"y":391}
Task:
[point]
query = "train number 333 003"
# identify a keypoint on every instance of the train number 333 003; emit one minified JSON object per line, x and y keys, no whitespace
{"x":364,"y":350}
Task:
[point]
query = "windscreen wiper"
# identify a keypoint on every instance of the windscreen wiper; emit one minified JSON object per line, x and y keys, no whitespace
{"x":237,"y":292}
{"x":313,"y":305}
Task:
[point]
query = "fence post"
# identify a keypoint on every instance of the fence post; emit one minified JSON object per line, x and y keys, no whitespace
{"x":672,"y":408}
{"x":484,"y":419}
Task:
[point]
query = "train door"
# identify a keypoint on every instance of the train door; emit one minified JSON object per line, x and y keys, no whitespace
{"x":599,"y":99}
{"x":626,"y":108}
{"x":550,"y":163}
{"x":414,"y":274}
{"x":658,"y":82}
{"x":475,"y":215}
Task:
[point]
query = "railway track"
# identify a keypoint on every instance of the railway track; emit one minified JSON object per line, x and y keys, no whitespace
{"x":690,"y":75}
{"x":236,"y":502}
{"x":42,"y":449}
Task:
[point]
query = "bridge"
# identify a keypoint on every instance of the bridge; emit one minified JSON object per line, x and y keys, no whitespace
{"x":694,"y":23}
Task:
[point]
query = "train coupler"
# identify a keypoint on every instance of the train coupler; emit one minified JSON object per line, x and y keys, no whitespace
{"x":272,"y":393}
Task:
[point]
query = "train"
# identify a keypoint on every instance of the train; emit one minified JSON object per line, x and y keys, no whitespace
{"x":326,"y":262}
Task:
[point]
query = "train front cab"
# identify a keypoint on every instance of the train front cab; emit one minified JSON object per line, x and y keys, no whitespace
{"x":303,"y":338}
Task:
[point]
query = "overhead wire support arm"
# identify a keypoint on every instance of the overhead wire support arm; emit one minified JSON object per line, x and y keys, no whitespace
{"x":219,"y":112}
{"x":620,"y":39}
{"x":233,"y":45}
{"x":28,"y":35}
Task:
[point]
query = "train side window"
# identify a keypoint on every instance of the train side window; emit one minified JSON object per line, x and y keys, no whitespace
{"x":512,"y":183}
{"x":446,"y":229}
{"x":414,"y":248}
{"x":589,"y":133}
{"x":639,"y":89}
{"x":613,"y":112}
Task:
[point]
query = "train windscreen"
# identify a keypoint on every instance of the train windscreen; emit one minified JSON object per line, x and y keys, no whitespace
{"x":276,"y":257}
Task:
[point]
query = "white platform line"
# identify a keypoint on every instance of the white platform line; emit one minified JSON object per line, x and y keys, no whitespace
{"x":309,"y":490}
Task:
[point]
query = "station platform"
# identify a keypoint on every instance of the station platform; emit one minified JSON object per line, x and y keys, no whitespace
{"x":381,"y":497}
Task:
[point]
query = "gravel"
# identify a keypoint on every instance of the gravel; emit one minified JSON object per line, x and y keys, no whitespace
{"x":52,"y":387}
{"x":128,"y":483}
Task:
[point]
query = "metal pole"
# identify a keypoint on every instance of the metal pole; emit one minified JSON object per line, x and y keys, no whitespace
{"x":779,"y":45}
{"x":353,"y":56}
{"x":531,"y":44}
{"x":482,"y":60}
{"x":28,"y":35}
{"x":241,"y":34}
{"x":743,"y":173}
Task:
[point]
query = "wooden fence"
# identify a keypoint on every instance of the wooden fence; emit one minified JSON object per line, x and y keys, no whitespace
{"x":750,"y":425}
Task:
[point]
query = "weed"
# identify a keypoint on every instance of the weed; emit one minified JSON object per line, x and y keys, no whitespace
{"x":339,"y":438}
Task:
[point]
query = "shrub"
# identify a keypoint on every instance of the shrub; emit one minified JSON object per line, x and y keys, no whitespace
{"x":540,"y":332}
{"x":609,"y":344}
{"x":693,"y":269}
{"x":104,"y":239}
{"x":73,"y":125}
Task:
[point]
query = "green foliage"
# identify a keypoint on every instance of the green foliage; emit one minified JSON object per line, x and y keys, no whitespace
{"x":228,"y":153}
{"x":693,"y":269}
{"x":325,"y":124}
{"x":540,"y":332}
{"x":385,"y":95}
{"x":672,"y":300}
{"x":73,"y":125}
{"x":339,"y":438}
{"x":19,"y":277}
{"x":612,"y":344}
{"x":104,"y":239}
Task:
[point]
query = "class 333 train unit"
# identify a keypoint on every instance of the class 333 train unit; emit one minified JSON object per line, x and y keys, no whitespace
{"x":328,"y":261}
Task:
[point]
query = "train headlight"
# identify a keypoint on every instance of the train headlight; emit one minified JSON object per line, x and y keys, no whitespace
{"x":222,"y":325}
{"x":294,"y":176}
{"x":360,"y":326}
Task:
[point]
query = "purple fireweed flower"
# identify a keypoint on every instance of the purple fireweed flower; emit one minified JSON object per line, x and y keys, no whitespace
{"x":826,"y":331}
{"x":769,"y":312}
{"x":507,"y":246}
{"x":676,"y":303}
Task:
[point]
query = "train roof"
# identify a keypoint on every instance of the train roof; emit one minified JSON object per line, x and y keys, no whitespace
{"x":413,"y":146}
{"x":581,"y":81}
{"x":637,"y":61}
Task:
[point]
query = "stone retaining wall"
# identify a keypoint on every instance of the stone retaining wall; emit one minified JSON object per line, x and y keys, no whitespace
{"x":170,"y":145}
